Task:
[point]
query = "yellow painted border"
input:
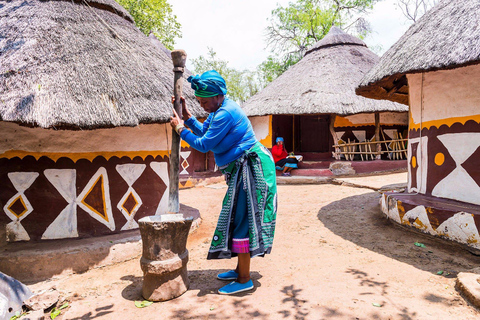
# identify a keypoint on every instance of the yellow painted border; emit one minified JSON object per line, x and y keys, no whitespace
{"x":23,"y":203}
{"x":438,"y":123}
{"x":83,"y":155}
{"x":134,"y":207}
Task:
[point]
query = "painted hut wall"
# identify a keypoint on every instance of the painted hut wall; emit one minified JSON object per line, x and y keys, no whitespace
{"x":444,"y":134}
{"x":368,"y":119}
{"x":262,"y":126}
{"x":361,"y":127}
{"x":68,"y":184}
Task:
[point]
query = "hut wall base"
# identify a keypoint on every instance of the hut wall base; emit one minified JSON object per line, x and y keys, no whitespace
{"x":448,"y":219}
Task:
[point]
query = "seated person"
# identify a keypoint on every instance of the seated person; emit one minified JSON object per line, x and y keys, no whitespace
{"x":282,"y":160}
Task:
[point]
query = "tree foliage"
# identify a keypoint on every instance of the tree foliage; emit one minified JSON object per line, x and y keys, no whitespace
{"x":154,"y":16}
{"x":296,"y":27}
{"x":414,"y":9}
{"x":240,"y":84}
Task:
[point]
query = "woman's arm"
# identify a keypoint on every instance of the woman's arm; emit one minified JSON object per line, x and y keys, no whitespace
{"x":196,"y":126}
{"x":213,"y":134}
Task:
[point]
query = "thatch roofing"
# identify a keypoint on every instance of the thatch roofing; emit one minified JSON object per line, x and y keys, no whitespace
{"x":447,"y":36}
{"x":323,"y":81}
{"x":81,"y":65}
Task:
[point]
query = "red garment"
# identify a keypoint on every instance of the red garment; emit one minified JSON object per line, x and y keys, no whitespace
{"x":279,"y":153}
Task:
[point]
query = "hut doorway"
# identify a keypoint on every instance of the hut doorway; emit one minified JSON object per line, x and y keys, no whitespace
{"x":308,"y":135}
{"x":313,"y":133}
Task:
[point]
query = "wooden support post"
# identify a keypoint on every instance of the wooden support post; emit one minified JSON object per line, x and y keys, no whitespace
{"x":377,"y":135}
{"x":179,"y":58}
{"x":331,"y":126}
{"x":386,"y":145}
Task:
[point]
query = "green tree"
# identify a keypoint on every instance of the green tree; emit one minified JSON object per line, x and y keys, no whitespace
{"x":241,"y":84}
{"x":296,"y":27}
{"x":154,"y":16}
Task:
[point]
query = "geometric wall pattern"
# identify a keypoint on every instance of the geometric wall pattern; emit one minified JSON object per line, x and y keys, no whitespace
{"x":95,"y":199}
{"x":445,"y":162}
{"x":131,"y":201}
{"x":453,"y":223}
{"x":65,"y":225}
{"x":18,"y":207}
{"x":460,"y":184}
{"x":161,"y":169}
{"x":184,"y":163}
{"x":46,"y":199}
{"x":418,"y":164}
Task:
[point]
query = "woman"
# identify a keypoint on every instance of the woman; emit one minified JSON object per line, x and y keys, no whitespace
{"x":281,"y":158}
{"x":246,"y":223}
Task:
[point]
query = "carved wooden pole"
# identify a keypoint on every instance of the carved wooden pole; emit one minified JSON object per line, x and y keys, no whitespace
{"x":179,"y":58}
{"x":331,"y":127}
{"x":377,"y":136}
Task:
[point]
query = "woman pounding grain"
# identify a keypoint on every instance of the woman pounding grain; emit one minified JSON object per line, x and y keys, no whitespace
{"x":246,"y":223}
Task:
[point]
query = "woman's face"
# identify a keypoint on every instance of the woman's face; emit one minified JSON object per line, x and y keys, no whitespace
{"x":210,"y":104}
{"x":279,"y":143}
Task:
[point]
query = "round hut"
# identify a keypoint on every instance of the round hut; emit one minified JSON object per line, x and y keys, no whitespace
{"x":435,"y":69}
{"x":84,"y":101}
{"x":313,"y":105}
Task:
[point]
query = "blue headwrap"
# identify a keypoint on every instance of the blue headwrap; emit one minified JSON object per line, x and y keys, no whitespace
{"x":209,"y":84}
{"x":279,"y":139}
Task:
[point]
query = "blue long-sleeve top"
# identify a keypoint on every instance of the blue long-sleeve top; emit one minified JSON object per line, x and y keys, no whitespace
{"x":227,"y":132}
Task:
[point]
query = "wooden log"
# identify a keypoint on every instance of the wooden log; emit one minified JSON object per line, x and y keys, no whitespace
{"x":377,"y":133}
{"x":403,"y":145}
{"x":179,"y":58}
{"x":331,"y":126}
{"x":386,"y":144}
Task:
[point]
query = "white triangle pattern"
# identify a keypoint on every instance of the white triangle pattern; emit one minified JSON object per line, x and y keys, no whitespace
{"x":130,"y":172}
{"x":461,"y":227}
{"x":459,"y":185}
{"x":65,"y":225}
{"x":16,"y":232}
{"x":22,"y":180}
{"x":420,"y":218}
{"x":161,"y":169}
{"x":64,"y":180}
{"x":108,"y":205}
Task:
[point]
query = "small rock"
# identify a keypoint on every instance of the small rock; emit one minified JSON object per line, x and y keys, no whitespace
{"x":43,"y":300}
{"x":35,"y":315}
{"x":341,"y":168}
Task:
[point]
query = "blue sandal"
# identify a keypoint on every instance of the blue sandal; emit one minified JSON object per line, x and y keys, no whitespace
{"x":228,"y":276}
{"x":236,"y":287}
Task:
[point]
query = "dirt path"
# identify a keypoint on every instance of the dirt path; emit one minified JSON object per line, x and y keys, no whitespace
{"x":335,"y":256}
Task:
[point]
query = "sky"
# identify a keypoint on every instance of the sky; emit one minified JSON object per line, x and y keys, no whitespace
{"x":235,"y":29}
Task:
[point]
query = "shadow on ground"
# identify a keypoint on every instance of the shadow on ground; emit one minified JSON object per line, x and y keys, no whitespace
{"x":203,"y":281}
{"x":359,"y":219}
{"x":98,"y":313}
{"x":31,"y":262}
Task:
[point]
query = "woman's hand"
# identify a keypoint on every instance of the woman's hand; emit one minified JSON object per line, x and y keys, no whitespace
{"x":185,"y":112}
{"x":175,"y":121}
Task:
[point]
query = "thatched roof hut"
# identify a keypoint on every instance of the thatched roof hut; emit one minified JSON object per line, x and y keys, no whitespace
{"x":313,"y":104}
{"x":323,"y":81}
{"x":435,"y":68}
{"x":452,"y":41}
{"x":81,"y":65}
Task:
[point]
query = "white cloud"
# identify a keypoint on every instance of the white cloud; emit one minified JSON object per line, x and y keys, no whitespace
{"x":235,"y":29}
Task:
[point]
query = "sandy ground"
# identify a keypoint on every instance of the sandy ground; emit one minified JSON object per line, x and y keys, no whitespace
{"x":335,"y":256}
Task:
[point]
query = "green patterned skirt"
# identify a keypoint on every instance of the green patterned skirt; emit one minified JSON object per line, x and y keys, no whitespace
{"x":257,"y":171}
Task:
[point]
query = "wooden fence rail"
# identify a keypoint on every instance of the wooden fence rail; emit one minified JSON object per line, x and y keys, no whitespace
{"x":395,"y":149}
